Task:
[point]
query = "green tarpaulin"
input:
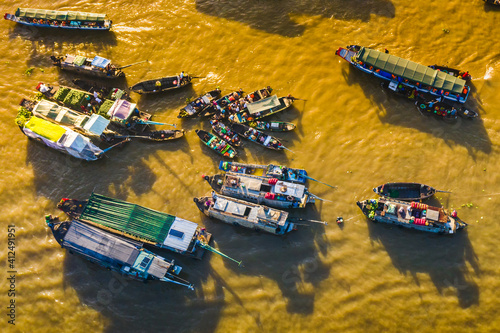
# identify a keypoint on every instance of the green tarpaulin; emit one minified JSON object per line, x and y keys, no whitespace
{"x":411,"y":70}
{"x":59,"y":15}
{"x":129,"y":218}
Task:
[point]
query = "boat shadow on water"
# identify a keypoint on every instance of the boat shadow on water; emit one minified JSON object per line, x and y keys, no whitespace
{"x":445,"y":258}
{"x":399,"y":111}
{"x":275,"y":17}
{"x":133,"y":306}
{"x":293,"y":261}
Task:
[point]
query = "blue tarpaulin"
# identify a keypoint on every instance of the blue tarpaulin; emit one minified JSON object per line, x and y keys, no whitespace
{"x":100,"y":62}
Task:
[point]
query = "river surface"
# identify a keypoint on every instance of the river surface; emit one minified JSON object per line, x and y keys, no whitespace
{"x":363,"y":277}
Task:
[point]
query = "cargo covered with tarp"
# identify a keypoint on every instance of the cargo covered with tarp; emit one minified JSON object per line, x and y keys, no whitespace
{"x":60,"y":15}
{"x":128,"y":218}
{"x":263,"y":105}
{"x":410,"y":70}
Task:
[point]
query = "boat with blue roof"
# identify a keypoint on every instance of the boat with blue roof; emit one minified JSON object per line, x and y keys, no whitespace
{"x":96,"y":66}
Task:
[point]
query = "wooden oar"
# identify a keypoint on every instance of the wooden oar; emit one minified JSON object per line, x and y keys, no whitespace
{"x":319,"y":181}
{"x":299,"y":99}
{"x":148,"y":122}
{"x":313,"y":221}
{"x":288,"y":149}
{"x":444,"y":191}
{"x":135,"y":63}
{"x":316,"y":197}
{"x":109,"y":148}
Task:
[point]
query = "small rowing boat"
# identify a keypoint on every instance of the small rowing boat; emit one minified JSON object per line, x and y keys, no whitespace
{"x":199,"y":105}
{"x":216,"y":144}
{"x":225,"y":133}
{"x":405,"y":191}
{"x":245,"y":214}
{"x":412,"y":215}
{"x":111,"y":93}
{"x":280,"y":172}
{"x":273,"y":126}
{"x":97,"y":66}
{"x":158,"y":136}
{"x":467,"y":113}
{"x":261,"y":190}
{"x":442,"y":110}
{"x":162,"y":84}
{"x":124,"y":256}
{"x":257,"y":136}
{"x":42,"y":18}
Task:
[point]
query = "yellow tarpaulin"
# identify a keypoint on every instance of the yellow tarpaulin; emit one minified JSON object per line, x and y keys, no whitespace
{"x":45,"y":128}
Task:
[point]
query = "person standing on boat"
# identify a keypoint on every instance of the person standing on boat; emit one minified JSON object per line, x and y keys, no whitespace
{"x":181,"y":77}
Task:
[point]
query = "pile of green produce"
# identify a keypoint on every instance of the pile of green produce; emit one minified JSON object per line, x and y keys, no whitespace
{"x":61,"y":93}
{"x":23,"y":115}
{"x":104,"y":108}
{"x":74,"y":99}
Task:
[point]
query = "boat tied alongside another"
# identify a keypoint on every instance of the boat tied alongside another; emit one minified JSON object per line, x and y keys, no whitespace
{"x":279,"y":172}
{"x":263,"y":108}
{"x":405,"y":191}
{"x":225,"y":133}
{"x":162,"y":84}
{"x":200,"y":105}
{"x":220,"y":105}
{"x":408,"y":73}
{"x":42,"y":18}
{"x":216,"y":144}
{"x":97,"y":66}
{"x":139,"y":223}
{"x":258,"y":137}
{"x":273,"y":126}
{"x":129,"y":258}
{"x":262,"y":190}
{"x":242,"y":213}
{"x":412,"y":215}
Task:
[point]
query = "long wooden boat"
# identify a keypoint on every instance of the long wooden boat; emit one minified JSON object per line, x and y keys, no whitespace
{"x":161,"y":84}
{"x":273,"y":126}
{"x":139,"y":223}
{"x":467,"y":113}
{"x":121,"y":255}
{"x":261,"y":190}
{"x":245,"y":214}
{"x":405,"y":191}
{"x":262,"y":108}
{"x":442,"y":110}
{"x":105,"y":91}
{"x":97,"y":66}
{"x":280,"y":172}
{"x":257,"y":136}
{"x":225,"y":132}
{"x":216,"y":144}
{"x":453,"y":71}
{"x":42,"y":18}
{"x":157,"y":136}
{"x":199,"y":105}
{"x":408,"y":73}
{"x":411,"y":215}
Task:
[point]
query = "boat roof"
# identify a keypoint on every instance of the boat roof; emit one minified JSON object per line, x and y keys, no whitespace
{"x":96,"y":124}
{"x":74,"y":141}
{"x":148,"y":263}
{"x":411,"y":70}
{"x":60,"y":15}
{"x":60,"y":114}
{"x":121,"y":109}
{"x":100,"y":62}
{"x":180,"y":234}
{"x":46,"y":129}
{"x":263,"y":105}
{"x":130,"y":218}
{"x":256,"y":212}
{"x":289,"y":189}
{"x":85,"y":238}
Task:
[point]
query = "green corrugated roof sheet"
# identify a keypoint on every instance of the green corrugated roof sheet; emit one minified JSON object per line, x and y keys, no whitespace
{"x":60,"y":15}
{"x":126,"y":217}
{"x":411,"y":70}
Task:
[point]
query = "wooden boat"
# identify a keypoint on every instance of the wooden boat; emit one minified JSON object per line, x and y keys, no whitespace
{"x":42,"y":18}
{"x":407,"y":73}
{"x":245,"y":214}
{"x":199,"y":105}
{"x":221,"y":103}
{"x":453,"y":71}
{"x":224,"y":132}
{"x":493,"y":2}
{"x":216,"y":144}
{"x":257,"y":136}
{"x":467,"y":113}
{"x":107,"y":92}
{"x":442,"y":110}
{"x":273,"y":126}
{"x":262,"y":108}
{"x":405,"y":191}
{"x":139,"y":223}
{"x":158,"y":136}
{"x":126,"y":114}
{"x":412,"y":215}
{"x":121,"y":255}
{"x":261,"y":190}
{"x":161,"y":84}
{"x":97,"y":66}
{"x":280,"y":172}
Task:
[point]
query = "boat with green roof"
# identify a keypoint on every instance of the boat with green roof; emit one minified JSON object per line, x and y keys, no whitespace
{"x":404,"y":72}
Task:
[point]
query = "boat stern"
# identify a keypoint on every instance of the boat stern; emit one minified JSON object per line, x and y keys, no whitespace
{"x":72,"y":207}
{"x":203,"y":204}
{"x":215,"y":181}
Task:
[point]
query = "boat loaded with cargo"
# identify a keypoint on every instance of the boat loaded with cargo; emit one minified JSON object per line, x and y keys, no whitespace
{"x":405,"y":72}
{"x":413,"y":215}
{"x":280,"y":172}
{"x":124,"y":256}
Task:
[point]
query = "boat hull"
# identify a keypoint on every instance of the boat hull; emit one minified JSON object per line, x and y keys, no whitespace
{"x":405,"y":191}
{"x":16,"y":19}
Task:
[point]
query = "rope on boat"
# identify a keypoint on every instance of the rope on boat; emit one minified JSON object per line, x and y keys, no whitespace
{"x":205,"y":246}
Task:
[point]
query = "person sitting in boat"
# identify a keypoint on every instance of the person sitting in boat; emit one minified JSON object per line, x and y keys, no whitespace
{"x":43,"y":88}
